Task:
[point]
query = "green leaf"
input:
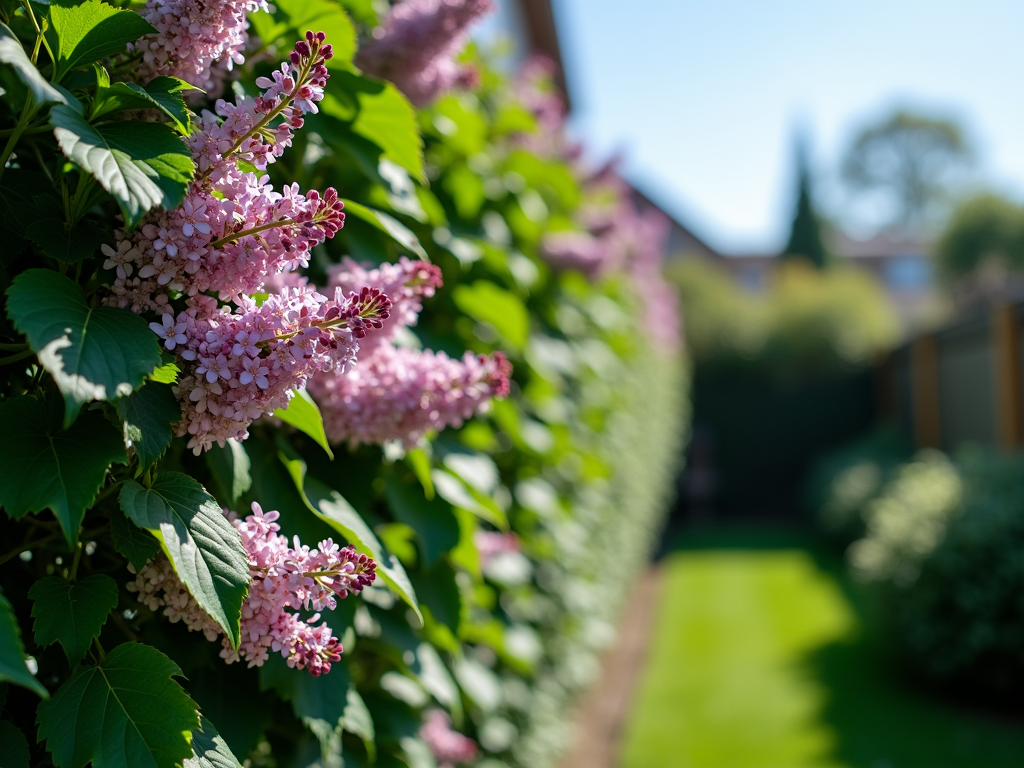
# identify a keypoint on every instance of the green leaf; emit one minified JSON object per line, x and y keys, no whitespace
{"x":72,"y":614}
{"x":165,"y":374}
{"x":163,"y":94}
{"x":437,"y":680}
{"x":389,"y":225}
{"x":209,"y":750}
{"x":313,"y":698}
{"x":93,"y":353}
{"x":358,"y":721}
{"x":131,"y":541}
{"x":294,"y":17}
{"x":82,"y":33}
{"x":433,"y":520}
{"x":13,"y":54}
{"x":303,"y":414}
{"x":231,"y":470}
{"x":143,"y":165}
{"x":12,"y":652}
{"x":68,"y":244}
{"x":44,"y":467}
{"x":13,"y":747}
{"x":456,"y":492}
{"x":204,"y":548}
{"x":149,"y":415}
{"x":377,"y":111}
{"x":329,"y":505}
{"x":127,"y":712}
{"x":487,"y":303}
{"x":419,"y":461}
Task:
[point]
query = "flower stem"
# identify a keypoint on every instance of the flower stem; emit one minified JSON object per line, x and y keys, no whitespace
{"x":254,"y":230}
{"x":26,"y":116}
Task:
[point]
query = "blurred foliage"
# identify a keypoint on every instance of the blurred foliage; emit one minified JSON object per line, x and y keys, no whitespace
{"x":908,"y":162}
{"x":984,"y":232}
{"x":842,"y":483}
{"x":807,"y":322}
{"x":906,"y":522}
{"x":942,"y":542}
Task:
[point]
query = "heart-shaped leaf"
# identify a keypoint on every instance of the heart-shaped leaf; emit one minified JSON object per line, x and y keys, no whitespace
{"x":93,"y":353}
{"x":45,"y":467}
{"x":204,"y":548}
{"x":72,"y":614}
{"x":143,"y":165}
{"x":131,"y":541}
{"x":127,"y":712}
{"x":82,"y":33}
{"x":163,"y":94}
{"x":209,"y":750}
{"x":149,"y":416}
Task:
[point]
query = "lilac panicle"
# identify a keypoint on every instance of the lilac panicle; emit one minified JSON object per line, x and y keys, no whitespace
{"x":239,"y":366}
{"x":191,"y":36}
{"x":231,"y":236}
{"x":417,"y":44}
{"x":233,"y":229}
{"x":400,"y":394}
{"x":397,"y":393}
{"x":285,"y":579}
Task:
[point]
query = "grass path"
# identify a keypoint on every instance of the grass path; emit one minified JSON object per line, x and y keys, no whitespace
{"x":759,"y":661}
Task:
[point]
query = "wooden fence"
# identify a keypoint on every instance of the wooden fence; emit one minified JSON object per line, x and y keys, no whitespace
{"x":964,"y":383}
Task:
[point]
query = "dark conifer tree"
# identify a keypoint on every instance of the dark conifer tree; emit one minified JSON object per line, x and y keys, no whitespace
{"x":805,"y":236}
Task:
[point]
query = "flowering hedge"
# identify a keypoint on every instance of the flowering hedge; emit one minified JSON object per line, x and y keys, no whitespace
{"x":334,"y":428}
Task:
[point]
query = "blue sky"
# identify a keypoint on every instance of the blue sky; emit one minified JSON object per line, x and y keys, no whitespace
{"x":704,"y":96}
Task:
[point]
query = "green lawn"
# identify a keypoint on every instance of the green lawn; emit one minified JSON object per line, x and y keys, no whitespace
{"x":759,"y":661}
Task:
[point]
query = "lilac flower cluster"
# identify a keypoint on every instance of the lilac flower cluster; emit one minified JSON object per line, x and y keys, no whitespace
{"x":284,"y":580}
{"x":232,"y":235}
{"x":397,"y":393}
{"x":191,"y":36}
{"x":417,"y":44}
{"x":243,"y":365}
{"x":233,"y":229}
{"x":448,"y":746}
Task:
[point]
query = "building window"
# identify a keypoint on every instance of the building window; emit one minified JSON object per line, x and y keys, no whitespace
{"x":904,"y":274}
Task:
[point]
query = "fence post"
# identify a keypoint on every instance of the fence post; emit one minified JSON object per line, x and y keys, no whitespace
{"x":924,"y":377}
{"x":1009,"y":413}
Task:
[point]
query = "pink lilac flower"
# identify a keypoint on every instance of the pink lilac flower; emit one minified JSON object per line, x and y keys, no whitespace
{"x":233,"y":230}
{"x":191,"y":36}
{"x":232,"y":234}
{"x":285,"y":579}
{"x":239,"y":366}
{"x":535,"y":89}
{"x":490,"y":544}
{"x":416,"y":46}
{"x":397,"y":393}
{"x":449,"y":746}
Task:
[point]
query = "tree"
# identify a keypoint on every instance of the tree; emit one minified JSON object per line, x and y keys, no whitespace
{"x":983,"y":229}
{"x":805,"y":235}
{"x":905,"y":166}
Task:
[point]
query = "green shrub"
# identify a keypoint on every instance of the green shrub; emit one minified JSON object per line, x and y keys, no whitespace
{"x":946,"y":543}
{"x":808,"y":321}
{"x":843,"y":482}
